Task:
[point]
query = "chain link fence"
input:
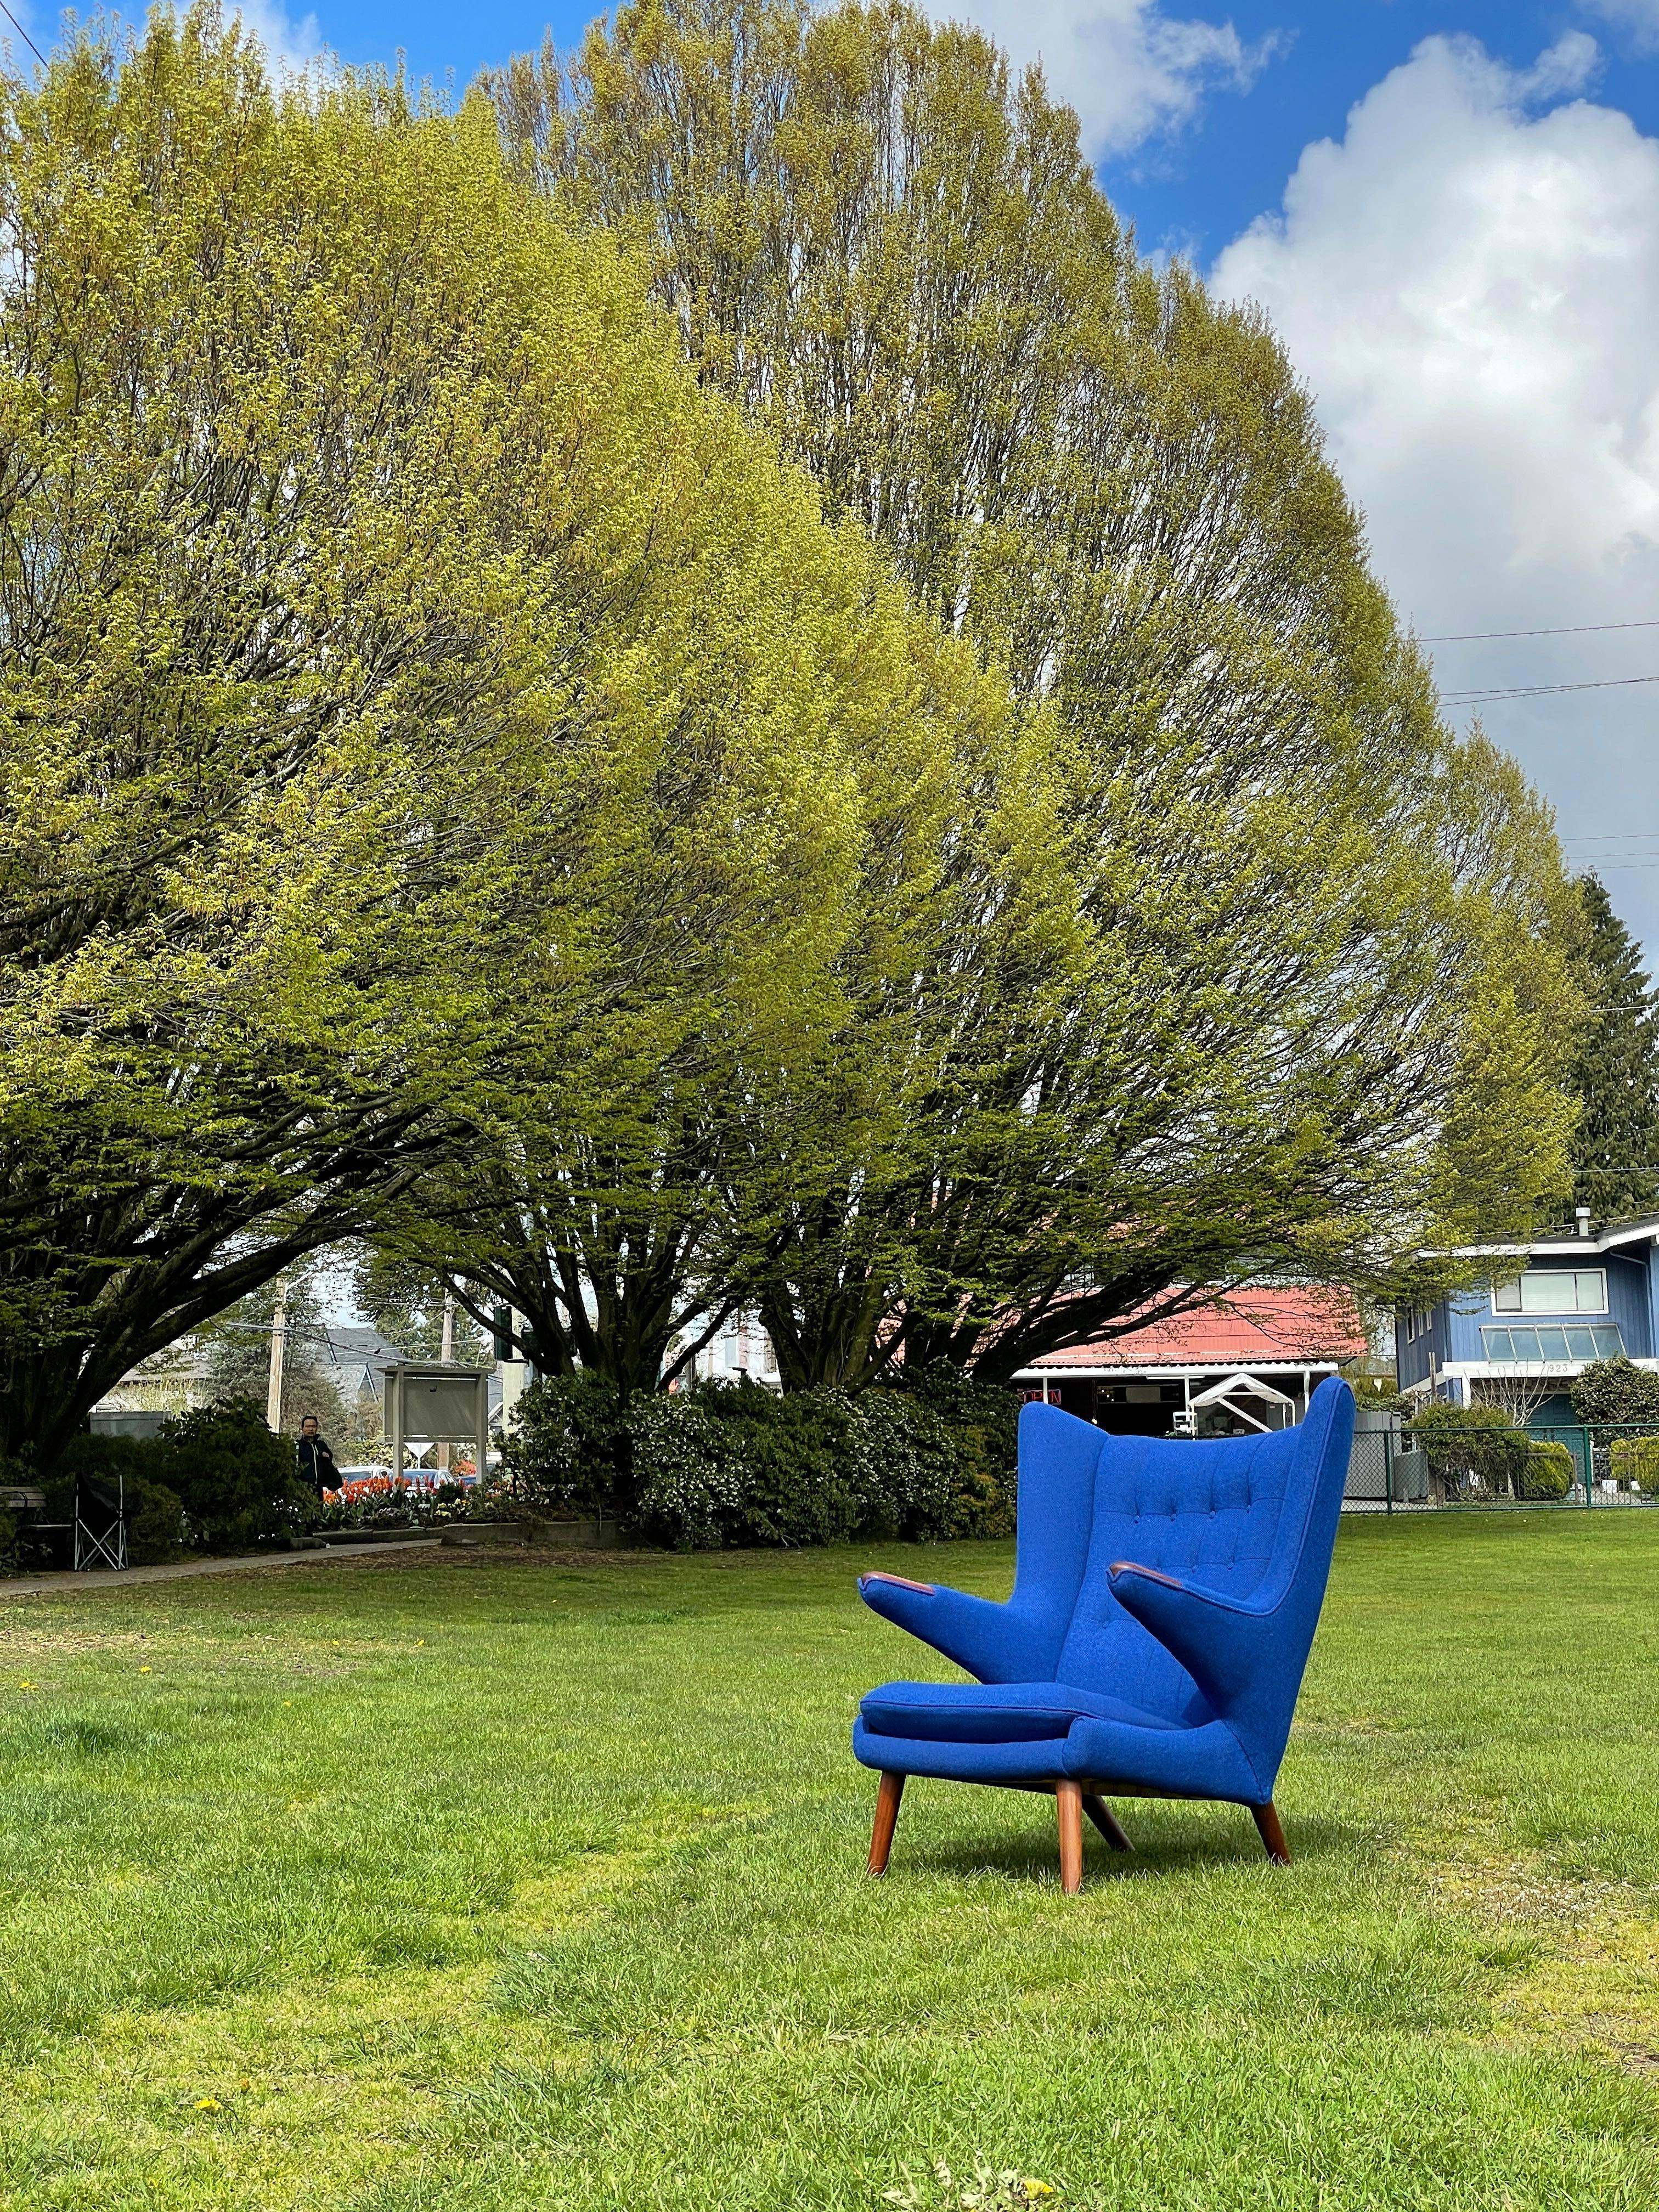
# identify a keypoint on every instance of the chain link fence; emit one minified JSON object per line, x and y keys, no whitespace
{"x":1562,"y":1468}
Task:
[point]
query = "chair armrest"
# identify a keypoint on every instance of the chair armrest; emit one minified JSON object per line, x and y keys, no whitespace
{"x":1152,"y":1574}
{"x":1225,"y":1645}
{"x":994,"y":1642}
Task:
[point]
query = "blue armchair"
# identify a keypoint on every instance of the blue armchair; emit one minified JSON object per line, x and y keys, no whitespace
{"x":1165,"y":1599}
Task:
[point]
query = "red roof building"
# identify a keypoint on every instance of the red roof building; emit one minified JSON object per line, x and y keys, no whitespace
{"x":1246,"y":1362}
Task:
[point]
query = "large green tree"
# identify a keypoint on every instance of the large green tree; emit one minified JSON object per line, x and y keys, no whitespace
{"x":1615,"y":1076}
{"x":368,"y":619}
{"x":1312,"y":1008}
{"x":625,"y":1225}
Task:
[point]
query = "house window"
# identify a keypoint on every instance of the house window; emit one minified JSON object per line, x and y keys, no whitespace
{"x":1512,"y":1347}
{"x":1417,"y":1319}
{"x":1552,"y":1291}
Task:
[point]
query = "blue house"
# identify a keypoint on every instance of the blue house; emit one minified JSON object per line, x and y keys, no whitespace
{"x":1547,"y":1310}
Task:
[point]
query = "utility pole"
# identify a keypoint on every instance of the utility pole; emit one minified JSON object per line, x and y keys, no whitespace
{"x":278,"y":1345}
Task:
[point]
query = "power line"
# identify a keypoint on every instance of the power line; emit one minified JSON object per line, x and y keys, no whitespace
{"x":1569,"y":629}
{"x":1542,"y":690}
{"x":23,"y":35}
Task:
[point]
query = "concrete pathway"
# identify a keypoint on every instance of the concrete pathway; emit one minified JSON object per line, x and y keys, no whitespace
{"x":105,"y":1578}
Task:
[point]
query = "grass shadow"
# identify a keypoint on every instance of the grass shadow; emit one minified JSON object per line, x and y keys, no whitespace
{"x":1225,"y":1839}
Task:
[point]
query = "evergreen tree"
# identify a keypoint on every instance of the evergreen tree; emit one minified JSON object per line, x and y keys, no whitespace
{"x":1615,"y":1151}
{"x":406,"y":1302}
{"x":238,"y":1347}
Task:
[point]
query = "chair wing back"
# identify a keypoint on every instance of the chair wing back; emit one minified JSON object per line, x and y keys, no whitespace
{"x":1252,"y":1519}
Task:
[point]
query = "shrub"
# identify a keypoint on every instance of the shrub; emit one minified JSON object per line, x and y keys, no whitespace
{"x":903,"y":1466}
{"x":1636,"y":1459}
{"x":1474,"y":1448}
{"x":101,"y":1458}
{"x":984,"y":1421}
{"x":794,"y":1454}
{"x":156,"y":1512}
{"x":569,"y":1451}
{"x":1370,"y":1401}
{"x":689,"y":1473}
{"x":215,"y":1479}
{"x":236,"y":1480}
{"x":730,"y":1463}
{"x":1550,"y":1473}
{"x":155,"y":1532}
{"x":11,"y":1557}
{"x":1613,"y":1390}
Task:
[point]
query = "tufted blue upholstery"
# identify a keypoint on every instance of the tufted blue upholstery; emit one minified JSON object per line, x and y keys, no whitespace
{"x":1129,"y":1680}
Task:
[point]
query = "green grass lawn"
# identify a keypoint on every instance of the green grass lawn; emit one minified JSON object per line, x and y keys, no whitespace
{"x":470,"y":1885}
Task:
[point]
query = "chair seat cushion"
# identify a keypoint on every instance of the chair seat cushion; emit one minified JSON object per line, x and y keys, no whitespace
{"x":993,"y":1712}
{"x":1120,"y":1757}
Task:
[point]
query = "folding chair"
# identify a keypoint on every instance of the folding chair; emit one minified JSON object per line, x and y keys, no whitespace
{"x":100,"y":1524}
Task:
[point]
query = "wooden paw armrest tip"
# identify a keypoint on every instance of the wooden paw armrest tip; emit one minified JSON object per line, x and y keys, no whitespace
{"x":1152,"y":1574}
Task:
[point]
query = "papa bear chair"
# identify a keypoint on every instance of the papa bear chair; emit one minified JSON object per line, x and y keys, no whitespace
{"x":1165,"y":1598}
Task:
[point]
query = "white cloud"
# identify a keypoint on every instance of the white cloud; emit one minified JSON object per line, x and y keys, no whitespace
{"x":291,"y":45}
{"x":1471,"y":288}
{"x":1639,"y":17}
{"x":291,"y":48}
{"x":1568,"y":65}
{"x":1129,"y":70}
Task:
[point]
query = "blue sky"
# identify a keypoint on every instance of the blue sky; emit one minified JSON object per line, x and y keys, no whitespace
{"x":1193,"y":187}
{"x":1450,"y":209}
{"x":1198,"y":189}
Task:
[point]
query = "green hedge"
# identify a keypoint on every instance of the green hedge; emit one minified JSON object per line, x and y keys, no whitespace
{"x":1477,"y":1453}
{"x":1636,"y":1459}
{"x":1474,"y":1451}
{"x":1551,"y":1472}
{"x":732,"y":1464}
{"x":216,"y":1479}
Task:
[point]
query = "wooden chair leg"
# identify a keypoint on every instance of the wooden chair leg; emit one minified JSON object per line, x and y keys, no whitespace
{"x":1267,"y":1827}
{"x":1107,"y":1821}
{"x":1068,"y":1804}
{"x":887,"y":1811}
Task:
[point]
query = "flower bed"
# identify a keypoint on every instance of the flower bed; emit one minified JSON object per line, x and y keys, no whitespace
{"x":423,"y":1499}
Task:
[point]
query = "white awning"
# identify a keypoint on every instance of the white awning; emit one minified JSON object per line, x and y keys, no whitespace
{"x":1251,"y":1383}
{"x":1242,"y":1385}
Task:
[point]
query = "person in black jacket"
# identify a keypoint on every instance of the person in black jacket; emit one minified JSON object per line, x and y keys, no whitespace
{"x":317,"y":1467}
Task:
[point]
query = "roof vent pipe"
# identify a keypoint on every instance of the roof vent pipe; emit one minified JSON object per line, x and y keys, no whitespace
{"x":1581,"y":1214}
